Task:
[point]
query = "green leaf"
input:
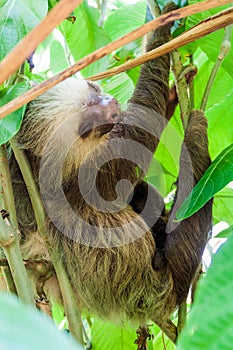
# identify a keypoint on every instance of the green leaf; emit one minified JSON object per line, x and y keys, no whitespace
{"x":168,"y":152}
{"x":217,"y":176}
{"x":210,"y":324}
{"x":225,"y":233}
{"x":220,"y":104}
{"x":10,"y":125}
{"x":106,"y":336}
{"x":120,"y":86}
{"x":17,"y":18}
{"x":223,"y":206}
{"x":85,"y":36}
{"x":58,"y":61}
{"x":206,"y":42}
{"x":24,"y":328}
{"x":131,"y":17}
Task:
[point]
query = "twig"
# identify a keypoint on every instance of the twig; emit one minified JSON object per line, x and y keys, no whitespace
{"x":10,"y":284}
{"x":182,"y":313}
{"x":103,"y":10}
{"x":9,"y":234}
{"x":191,"y":89}
{"x":70,"y":306}
{"x":196,"y":279}
{"x":181,"y":87}
{"x":224,"y":50}
{"x":169,"y":329}
{"x":154,"y":8}
{"x":27,"y":46}
{"x":218,"y":23}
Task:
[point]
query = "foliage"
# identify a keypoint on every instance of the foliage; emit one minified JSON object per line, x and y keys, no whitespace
{"x":211,"y":314}
{"x":21,"y":326}
{"x":213,"y":330}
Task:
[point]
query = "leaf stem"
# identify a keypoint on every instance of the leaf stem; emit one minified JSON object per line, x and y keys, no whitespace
{"x":223,"y":52}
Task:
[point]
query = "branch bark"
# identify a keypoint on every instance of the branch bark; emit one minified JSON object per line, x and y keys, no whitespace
{"x":208,"y":26}
{"x":203,"y":28}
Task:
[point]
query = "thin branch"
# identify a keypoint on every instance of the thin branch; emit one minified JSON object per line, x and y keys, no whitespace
{"x":103,"y":11}
{"x":154,"y":8}
{"x":182,"y":314}
{"x":9,"y":234}
{"x":27,"y":46}
{"x":191,"y":88}
{"x":169,"y":329}
{"x":181,"y":87}
{"x":162,"y":20}
{"x":71,"y":308}
{"x":203,"y":28}
{"x":9,"y":281}
{"x":224,"y":50}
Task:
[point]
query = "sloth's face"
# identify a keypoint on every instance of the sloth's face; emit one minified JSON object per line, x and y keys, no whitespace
{"x":101,"y":113}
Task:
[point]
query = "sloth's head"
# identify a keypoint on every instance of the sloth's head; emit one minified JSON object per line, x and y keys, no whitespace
{"x":72,"y":117}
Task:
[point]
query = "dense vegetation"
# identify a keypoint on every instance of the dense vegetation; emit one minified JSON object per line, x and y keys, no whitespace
{"x":92,"y":25}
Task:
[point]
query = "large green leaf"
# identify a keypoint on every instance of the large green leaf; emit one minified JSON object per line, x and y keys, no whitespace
{"x":85,"y":36}
{"x":225,"y":233}
{"x":210,"y":44}
{"x":126,"y":19}
{"x":210,"y":324}
{"x":223,"y":206}
{"x":106,"y":336}
{"x":219,"y":108}
{"x":17,"y":18}
{"x":168,"y":153}
{"x":10,"y":125}
{"x":24,"y":328}
{"x":120,"y":86}
{"x":58,"y":60}
{"x":217,"y":176}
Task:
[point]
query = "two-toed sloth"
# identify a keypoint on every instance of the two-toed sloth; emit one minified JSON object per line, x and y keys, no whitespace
{"x":122,"y":259}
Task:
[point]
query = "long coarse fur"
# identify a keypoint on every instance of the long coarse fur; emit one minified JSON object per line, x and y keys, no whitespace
{"x":117,"y":274}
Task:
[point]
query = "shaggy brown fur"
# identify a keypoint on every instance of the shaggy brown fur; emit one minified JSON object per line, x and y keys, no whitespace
{"x":143,"y":269}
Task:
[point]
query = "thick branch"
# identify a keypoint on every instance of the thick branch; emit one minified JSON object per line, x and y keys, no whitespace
{"x":205,"y":27}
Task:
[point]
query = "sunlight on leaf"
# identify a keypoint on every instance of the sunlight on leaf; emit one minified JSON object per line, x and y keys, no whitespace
{"x":217,"y":176}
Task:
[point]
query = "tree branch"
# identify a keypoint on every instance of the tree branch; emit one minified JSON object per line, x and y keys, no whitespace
{"x":205,"y":27}
{"x":208,"y":26}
